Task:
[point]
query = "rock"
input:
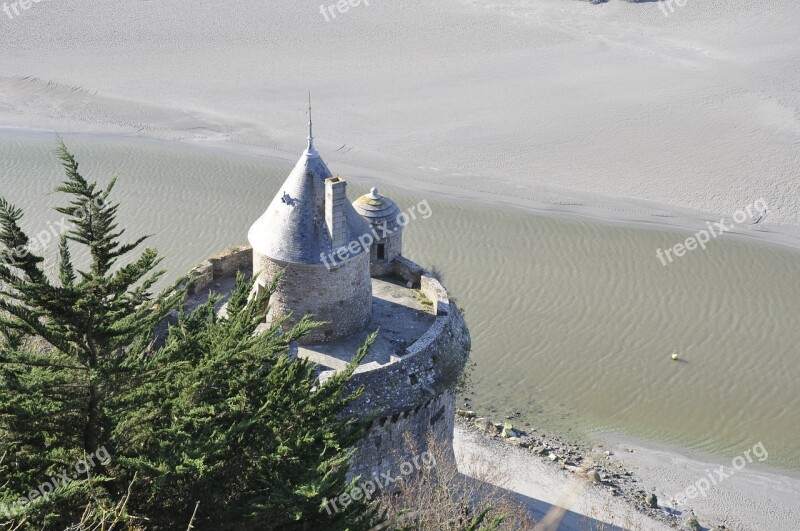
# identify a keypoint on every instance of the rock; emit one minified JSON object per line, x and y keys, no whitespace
{"x":608,"y":454}
{"x":651,"y":500}
{"x":509,"y":431}
{"x":552,"y":456}
{"x":693,"y":524}
{"x":593,"y":476}
{"x":485,"y":425}
{"x":516,"y":441}
{"x":466,"y":413}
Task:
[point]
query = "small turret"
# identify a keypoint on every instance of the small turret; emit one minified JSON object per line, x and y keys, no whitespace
{"x":383,"y":215}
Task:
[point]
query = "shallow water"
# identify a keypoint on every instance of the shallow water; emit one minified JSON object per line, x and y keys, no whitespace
{"x":573,"y":322}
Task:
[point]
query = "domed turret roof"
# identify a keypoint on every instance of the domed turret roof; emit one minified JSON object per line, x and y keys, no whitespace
{"x":377,"y":209}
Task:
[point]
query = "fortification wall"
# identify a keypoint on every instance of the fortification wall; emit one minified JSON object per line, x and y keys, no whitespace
{"x":410,"y":398}
{"x":226,"y":263}
{"x":413,"y":396}
{"x":400,"y":437}
{"x":408,"y":270}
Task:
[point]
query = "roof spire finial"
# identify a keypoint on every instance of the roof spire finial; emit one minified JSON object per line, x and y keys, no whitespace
{"x":311,"y":151}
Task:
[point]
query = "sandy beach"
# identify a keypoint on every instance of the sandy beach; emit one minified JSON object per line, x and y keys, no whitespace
{"x":520,"y":101}
{"x":764,"y":497}
{"x":751,"y":497}
{"x":542,"y":484}
{"x":613,"y":112}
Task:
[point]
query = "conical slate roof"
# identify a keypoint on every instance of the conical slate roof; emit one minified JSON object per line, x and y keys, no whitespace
{"x":293,"y":228}
{"x":377,"y":209}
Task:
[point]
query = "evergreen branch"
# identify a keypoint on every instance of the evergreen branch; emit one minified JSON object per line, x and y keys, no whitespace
{"x":66,"y":271}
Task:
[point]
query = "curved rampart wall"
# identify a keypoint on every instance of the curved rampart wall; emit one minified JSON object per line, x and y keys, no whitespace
{"x":410,"y":398}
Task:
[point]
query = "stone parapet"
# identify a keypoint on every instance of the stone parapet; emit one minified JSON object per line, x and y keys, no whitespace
{"x":408,"y":399}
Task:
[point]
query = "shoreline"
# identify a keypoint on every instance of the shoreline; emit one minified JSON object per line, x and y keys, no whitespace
{"x":546,"y":471}
{"x":749,"y":494}
{"x":549,"y":201}
{"x":542,"y":469}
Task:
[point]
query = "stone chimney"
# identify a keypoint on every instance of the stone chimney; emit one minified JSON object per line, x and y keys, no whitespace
{"x":335,"y":202}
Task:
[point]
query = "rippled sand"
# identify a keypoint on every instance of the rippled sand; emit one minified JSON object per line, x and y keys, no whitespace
{"x":573,"y":322}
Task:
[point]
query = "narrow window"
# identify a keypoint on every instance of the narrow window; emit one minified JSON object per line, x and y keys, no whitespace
{"x":381,"y":251}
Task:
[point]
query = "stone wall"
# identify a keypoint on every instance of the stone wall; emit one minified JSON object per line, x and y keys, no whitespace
{"x":411,"y":397}
{"x":341,"y":296}
{"x":408,"y":270}
{"x":393,"y":248}
{"x":397,"y":438}
{"x":226,"y":263}
{"x":415,"y":392}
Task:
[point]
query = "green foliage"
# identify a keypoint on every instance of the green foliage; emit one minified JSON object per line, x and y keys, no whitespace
{"x":64,"y":342}
{"x":237,"y":424}
{"x":218,"y":415}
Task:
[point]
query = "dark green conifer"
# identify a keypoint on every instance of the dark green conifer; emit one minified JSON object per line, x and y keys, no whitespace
{"x":218,"y":415}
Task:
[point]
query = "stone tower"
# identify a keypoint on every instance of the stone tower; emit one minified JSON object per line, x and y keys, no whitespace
{"x":343,"y":264}
{"x":385,"y":218}
{"x":307,"y":232}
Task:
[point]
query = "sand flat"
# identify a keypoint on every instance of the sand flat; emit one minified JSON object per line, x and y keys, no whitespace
{"x":697,"y":110}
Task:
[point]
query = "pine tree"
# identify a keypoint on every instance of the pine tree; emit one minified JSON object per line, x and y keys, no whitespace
{"x":65,"y":340}
{"x":219,"y":415}
{"x":244,"y":428}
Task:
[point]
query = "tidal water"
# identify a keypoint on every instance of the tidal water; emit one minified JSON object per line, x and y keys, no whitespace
{"x":573,"y":322}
